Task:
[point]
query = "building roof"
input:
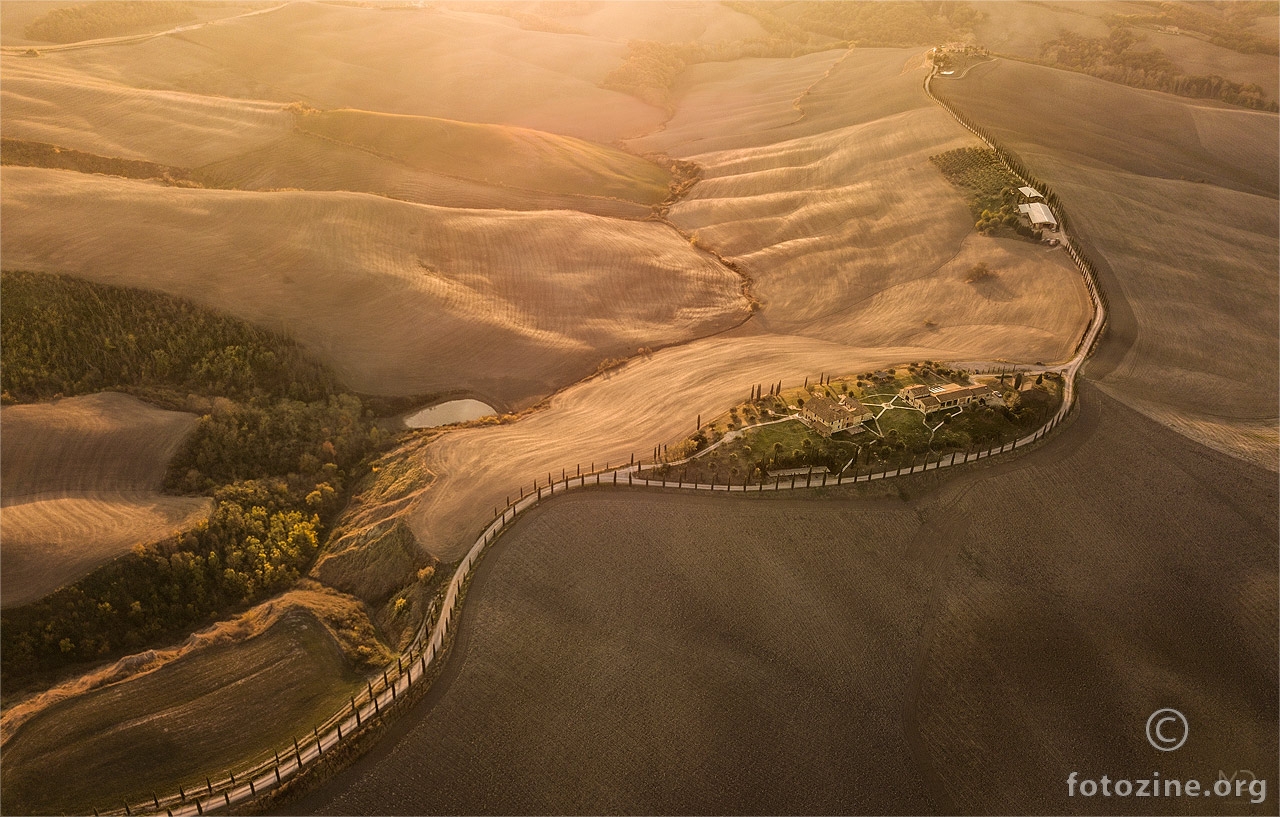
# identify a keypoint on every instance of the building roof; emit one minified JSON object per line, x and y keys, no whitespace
{"x":853,"y":405}
{"x":1025,"y":209}
{"x":931,"y":397}
{"x":826,"y":409}
{"x":955,"y":391}
{"x":1041,"y":214}
{"x":1030,"y":192}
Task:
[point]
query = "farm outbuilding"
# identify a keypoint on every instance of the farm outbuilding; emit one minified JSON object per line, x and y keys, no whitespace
{"x":1041,"y":216}
{"x":931,"y":398}
{"x":1030,"y":193}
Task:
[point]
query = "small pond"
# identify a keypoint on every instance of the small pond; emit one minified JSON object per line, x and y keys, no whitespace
{"x":454,"y":411}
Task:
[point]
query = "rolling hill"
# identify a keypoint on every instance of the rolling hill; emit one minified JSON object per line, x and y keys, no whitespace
{"x":80,"y":484}
{"x":508,"y":305}
{"x":1179,"y":201}
{"x":445,"y":200}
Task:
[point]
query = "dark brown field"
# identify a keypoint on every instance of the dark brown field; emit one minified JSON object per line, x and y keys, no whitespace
{"x":1177,"y":200}
{"x":960,"y":648}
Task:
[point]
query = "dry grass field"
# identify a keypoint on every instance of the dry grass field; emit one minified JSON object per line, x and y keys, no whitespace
{"x":956,"y":649}
{"x":449,"y":63}
{"x":158,"y":720}
{"x":518,"y":157}
{"x":19,"y":13}
{"x":1179,"y":200}
{"x":506,"y":305}
{"x":80,"y":482}
{"x":848,"y":231}
{"x":664,"y":21}
{"x":46,"y":100}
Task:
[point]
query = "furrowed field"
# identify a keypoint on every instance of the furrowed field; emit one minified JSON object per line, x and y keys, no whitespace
{"x":955,"y":644}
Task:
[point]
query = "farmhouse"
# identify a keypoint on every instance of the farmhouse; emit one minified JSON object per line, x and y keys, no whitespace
{"x":1038,"y":214}
{"x":932,"y":398}
{"x":1030,"y":193}
{"x":826,"y":416}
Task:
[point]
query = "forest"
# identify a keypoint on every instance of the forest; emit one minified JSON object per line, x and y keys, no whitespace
{"x":61,"y":336}
{"x":278,"y":450}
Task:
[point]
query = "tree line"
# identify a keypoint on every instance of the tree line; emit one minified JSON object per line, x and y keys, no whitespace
{"x":277,"y":452}
{"x":1118,"y":58}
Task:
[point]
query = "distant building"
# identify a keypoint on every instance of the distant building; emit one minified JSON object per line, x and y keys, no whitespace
{"x":1030,"y":193}
{"x":932,"y":398}
{"x":826,"y":416}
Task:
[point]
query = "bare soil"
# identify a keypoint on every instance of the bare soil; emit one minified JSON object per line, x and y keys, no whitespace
{"x":958,"y":649}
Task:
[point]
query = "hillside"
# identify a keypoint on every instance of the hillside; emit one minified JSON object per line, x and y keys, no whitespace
{"x":80,"y":484}
{"x":437,"y":62}
{"x":1180,"y":202}
{"x":1194,"y":40}
{"x":508,"y":305}
{"x":515,"y":157}
{"x":160,"y":719}
{"x":950,"y":644}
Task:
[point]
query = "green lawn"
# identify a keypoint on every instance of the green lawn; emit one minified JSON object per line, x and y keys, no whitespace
{"x":905,"y":435}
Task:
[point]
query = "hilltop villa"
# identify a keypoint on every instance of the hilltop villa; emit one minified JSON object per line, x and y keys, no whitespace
{"x":932,"y":398}
{"x":826,"y":416}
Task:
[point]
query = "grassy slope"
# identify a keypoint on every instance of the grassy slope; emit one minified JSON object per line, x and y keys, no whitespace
{"x":841,"y":177}
{"x":515,"y":157}
{"x":208,"y":709}
{"x":305,"y":162}
{"x":510,"y":305}
{"x":51,"y":100}
{"x":1012,"y":623}
{"x":435,"y":62}
{"x":260,"y":146}
{"x":677,"y":22}
{"x":1180,"y":201}
{"x":16,"y":14}
{"x":99,"y":442}
{"x":81,"y":481}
